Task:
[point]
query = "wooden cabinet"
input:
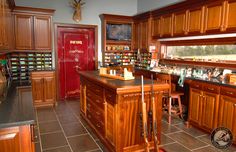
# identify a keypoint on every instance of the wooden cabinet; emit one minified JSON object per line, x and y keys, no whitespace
{"x":227,"y":112}
{"x":23,"y":31}
{"x":203,"y":106}
{"x":136,"y":35}
{"x":43,"y":88}
{"x":5,"y":26}
{"x":214,"y":15}
{"x":17,"y":139}
{"x":166,"y":25}
{"x":42,"y":32}
{"x":230,"y":11}
{"x":112,"y":110}
{"x":195,"y":19}
{"x":156,"y":27}
{"x":33,"y":29}
{"x":179,"y":23}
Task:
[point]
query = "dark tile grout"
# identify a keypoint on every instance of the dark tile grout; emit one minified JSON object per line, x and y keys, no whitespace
{"x":84,"y":127}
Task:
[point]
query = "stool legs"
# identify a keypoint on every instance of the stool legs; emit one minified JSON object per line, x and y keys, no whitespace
{"x":169,"y":110}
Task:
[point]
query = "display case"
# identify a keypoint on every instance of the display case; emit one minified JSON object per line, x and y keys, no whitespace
{"x":21,"y":64}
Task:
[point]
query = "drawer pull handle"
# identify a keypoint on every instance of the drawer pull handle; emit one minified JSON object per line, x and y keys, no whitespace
{"x":210,"y":89}
{"x":98,"y":113}
{"x":89,"y":105}
{"x":98,"y":125}
{"x":98,"y":101}
{"x":197,"y":86}
{"x":229,"y":92}
{"x":97,"y":90}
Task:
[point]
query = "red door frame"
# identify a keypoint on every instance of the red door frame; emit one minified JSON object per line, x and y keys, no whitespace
{"x":61,"y":25}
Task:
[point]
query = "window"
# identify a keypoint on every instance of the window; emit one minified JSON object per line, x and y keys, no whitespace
{"x":202,"y":52}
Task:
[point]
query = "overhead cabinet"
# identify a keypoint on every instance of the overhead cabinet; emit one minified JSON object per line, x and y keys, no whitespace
{"x":203,"y":17}
{"x":33,"y":29}
{"x":5,"y":26}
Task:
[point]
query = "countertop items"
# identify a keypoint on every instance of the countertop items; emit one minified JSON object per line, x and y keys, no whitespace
{"x":16,"y":110}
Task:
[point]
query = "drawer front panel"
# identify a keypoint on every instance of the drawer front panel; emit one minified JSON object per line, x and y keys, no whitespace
{"x":97,"y":90}
{"x":99,"y":126}
{"x":211,"y":88}
{"x":95,"y":111}
{"x":228,"y":91}
{"x":196,"y":84}
{"x":97,"y":100}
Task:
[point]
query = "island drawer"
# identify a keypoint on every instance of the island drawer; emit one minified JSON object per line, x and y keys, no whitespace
{"x":95,"y":111}
{"x":96,"y":89}
{"x":98,"y":125}
{"x":211,"y":88}
{"x":228,"y":91}
{"x":97,"y":100}
{"x":196,"y":84}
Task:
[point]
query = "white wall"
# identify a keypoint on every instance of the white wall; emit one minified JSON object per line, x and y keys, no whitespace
{"x":90,"y":11}
{"x":146,"y":5}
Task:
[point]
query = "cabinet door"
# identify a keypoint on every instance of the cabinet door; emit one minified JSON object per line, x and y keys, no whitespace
{"x":166,"y":26}
{"x":230,"y":11}
{"x":10,"y":140}
{"x":37,"y":89}
{"x":144,"y":35}
{"x":23,"y":32}
{"x":179,"y":23}
{"x":213,"y":17}
{"x":195,"y":105}
{"x":49,"y":88}
{"x":42,"y":32}
{"x":156,"y":27}
{"x":195,"y":20}
{"x":227,"y":114}
{"x":136,"y":35}
{"x":4,"y":14}
{"x":210,"y":105}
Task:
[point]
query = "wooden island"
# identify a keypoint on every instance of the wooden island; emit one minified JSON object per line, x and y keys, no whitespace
{"x":112,"y":109}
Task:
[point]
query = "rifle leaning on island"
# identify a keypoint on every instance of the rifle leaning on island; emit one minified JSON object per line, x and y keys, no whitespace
{"x":154,"y":121}
{"x":144,"y":119}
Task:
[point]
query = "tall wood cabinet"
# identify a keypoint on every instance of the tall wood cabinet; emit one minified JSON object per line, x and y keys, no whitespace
{"x":43,"y":88}
{"x":33,"y":29}
{"x":227,"y":112}
{"x":5,"y":26}
{"x":142,"y":32}
{"x":204,"y":105}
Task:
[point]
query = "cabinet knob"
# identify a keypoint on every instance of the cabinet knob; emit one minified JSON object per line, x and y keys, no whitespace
{"x":210,"y":89}
{"x":98,"y":101}
{"x":98,"y":125}
{"x":98,"y":113}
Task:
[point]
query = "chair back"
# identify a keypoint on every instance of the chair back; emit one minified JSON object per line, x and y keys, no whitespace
{"x":166,"y":78}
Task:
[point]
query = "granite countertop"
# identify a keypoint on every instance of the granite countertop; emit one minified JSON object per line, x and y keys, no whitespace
{"x":14,"y":111}
{"x":211,"y":80}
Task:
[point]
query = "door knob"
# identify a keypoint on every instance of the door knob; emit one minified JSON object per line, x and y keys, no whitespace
{"x":77,"y":67}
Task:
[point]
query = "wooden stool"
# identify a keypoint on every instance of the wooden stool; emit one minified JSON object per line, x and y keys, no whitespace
{"x":169,"y":95}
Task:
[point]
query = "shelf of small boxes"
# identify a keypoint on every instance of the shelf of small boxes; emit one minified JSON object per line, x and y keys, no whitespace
{"x":21,"y":64}
{"x":143,"y":60}
{"x":118,"y":54}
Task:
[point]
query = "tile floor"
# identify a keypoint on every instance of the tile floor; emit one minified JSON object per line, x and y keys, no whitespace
{"x":61,"y":129}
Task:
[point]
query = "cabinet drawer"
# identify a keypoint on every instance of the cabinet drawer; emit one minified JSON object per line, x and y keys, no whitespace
{"x":95,"y":111}
{"x":228,"y":91}
{"x":110,"y":96}
{"x":196,"y":84}
{"x":99,"y":126}
{"x":211,"y":88}
{"x":97,"y":100}
{"x":95,"y":89}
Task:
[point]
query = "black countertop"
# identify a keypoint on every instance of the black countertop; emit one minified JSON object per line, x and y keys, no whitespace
{"x":13,"y":110}
{"x":216,"y":81}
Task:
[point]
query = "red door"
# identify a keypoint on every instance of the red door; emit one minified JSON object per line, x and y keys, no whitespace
{"x":76,"y":50}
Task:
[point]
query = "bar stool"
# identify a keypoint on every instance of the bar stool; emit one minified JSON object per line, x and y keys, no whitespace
{"x":169,"y":95}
